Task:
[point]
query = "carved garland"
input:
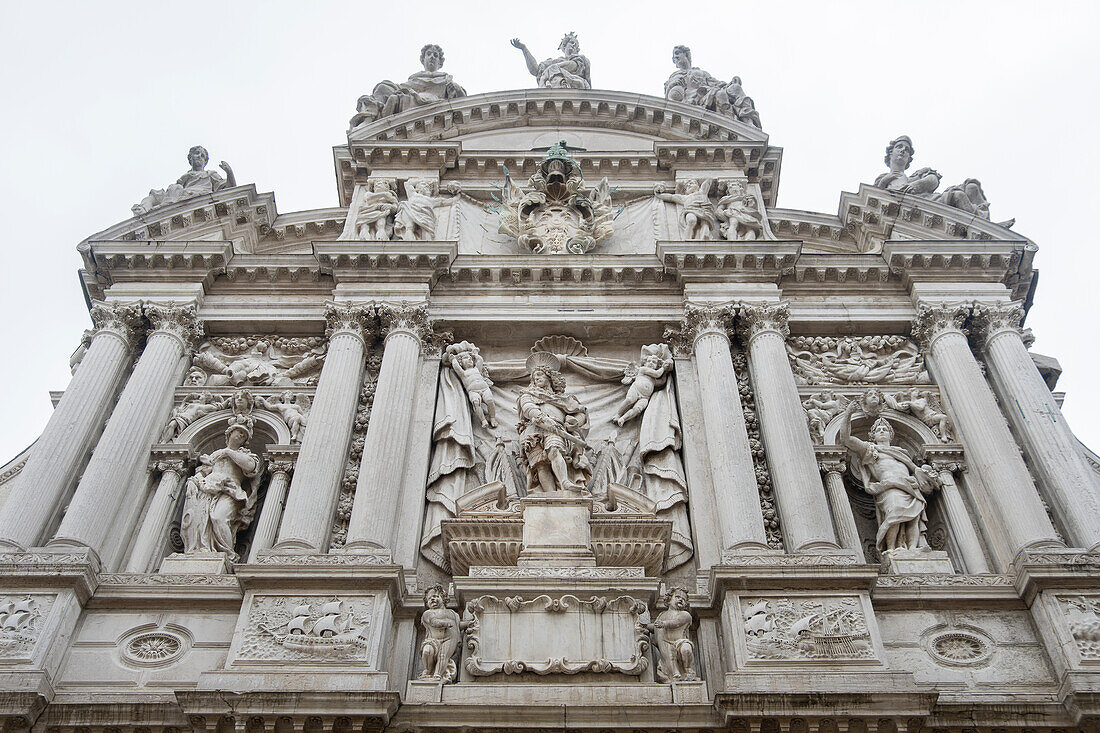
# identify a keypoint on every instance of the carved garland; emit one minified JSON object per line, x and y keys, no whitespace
{"x":772,"y":530}
{"x":355,"y":454}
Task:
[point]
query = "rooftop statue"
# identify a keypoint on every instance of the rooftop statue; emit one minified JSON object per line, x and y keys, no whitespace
{"x":424,"y":87}
{"x":195,"y":182}
{"x":692,"y":85}
{"x":571,"y":71}
{"x":559,"y":214}
{"x":966,"y":196}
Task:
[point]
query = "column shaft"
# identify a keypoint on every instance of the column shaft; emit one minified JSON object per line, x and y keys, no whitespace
{"x":737,"y":496}
{"x":1053,"y":450}
{"x":803,"y":510}
{"x":110,"y":482}
{"x":843,"y":519}
{"x":991,"y":451}
{"x":157,"y":518}
{"x":315,"y":488}
{"x":381,"y":471}
{"x":54,"y":463}
{"x":267,"y":526}
{"x":958,"y":520}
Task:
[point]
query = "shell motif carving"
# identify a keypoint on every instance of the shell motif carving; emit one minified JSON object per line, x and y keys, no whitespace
{"x":561,"y":345}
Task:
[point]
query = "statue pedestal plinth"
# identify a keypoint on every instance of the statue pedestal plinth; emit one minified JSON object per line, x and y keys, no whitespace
{"x":902,"y":562}
{"x":556,"y":531}
{"x":202,"y":563}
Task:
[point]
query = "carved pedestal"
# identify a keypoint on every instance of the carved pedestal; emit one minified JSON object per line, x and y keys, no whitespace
{"x":900,"y":562}
{"x":556,"y":532}
{"x":203,"y":563}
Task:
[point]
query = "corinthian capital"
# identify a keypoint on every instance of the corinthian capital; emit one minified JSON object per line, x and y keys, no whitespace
{"x":405,"y":317}
{"x":699,"y":320}
{"x":122,"y":319}
{"x":935,"y":319}
{"x":990,"y":320}
{"x":756,"y":319}
{"x":356,"y":318}
{"x":180,"y":321}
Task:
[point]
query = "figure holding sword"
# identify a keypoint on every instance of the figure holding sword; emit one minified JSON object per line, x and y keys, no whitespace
{"x":552,"y":428}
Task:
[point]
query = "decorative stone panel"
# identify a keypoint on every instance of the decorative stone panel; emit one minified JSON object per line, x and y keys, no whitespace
{"x":22,"y":617}
{"x":804,"y":628}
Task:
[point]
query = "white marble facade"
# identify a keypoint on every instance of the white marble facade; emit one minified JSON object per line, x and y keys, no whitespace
{"x":554,"y":421}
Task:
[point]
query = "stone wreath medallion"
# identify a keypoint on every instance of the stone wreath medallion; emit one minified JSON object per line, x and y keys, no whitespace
{"x":145,"y":647}
{"x":958,"y":646}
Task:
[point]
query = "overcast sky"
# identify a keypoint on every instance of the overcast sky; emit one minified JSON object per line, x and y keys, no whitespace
{"x":102,"y":101}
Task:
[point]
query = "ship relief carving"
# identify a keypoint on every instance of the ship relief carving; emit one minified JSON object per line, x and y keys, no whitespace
{"x":1082,"y":614}
{"x":307,"y":628}
{"x":21,"y":619}
{"x":806,"y":629}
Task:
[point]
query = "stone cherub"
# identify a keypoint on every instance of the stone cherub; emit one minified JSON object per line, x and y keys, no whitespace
{"x":423,"y":87}
{"x":415,"y":219}
{"x":571,"y":71}
{"x":195,"y":182}
{"x":442,"y":630}
{"x":465,"y":359}
{"x":552,"y":428}
{"x":698,"y":219}
{"x":675,"y":651}
{"x":221,"y":496}
{"x":742,"y":220}
{"x":921,"y":406}
{"x":820,"y":409}
{"x":191,"y":409}
{"x":644,"y":378}
{"x":898,"y":485}
{"x":292,"y":409}
{"x":371,"y":213}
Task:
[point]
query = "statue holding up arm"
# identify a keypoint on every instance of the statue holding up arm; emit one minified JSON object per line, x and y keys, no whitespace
{"x":675,"y":652}
{"x":698,"y":219}
{"x":898,"y":484}
{"x":571,"y":71}
{"x":195,"y":182}
{"x":644,"y":379}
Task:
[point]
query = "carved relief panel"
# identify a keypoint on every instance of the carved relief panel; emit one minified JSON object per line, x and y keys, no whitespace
{"x":22,"y":618}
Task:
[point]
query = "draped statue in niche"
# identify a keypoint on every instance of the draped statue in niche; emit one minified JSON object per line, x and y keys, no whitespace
{"x":642,"y":454}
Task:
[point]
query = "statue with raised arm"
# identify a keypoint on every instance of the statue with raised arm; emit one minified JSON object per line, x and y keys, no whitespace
{"x":571,"y":71}
{"x":441,"y":636}
{"x":898,"y":485}
{"x":742,"y":220}
{"x":415,"y":219}
{"x":191,"y":409}
{"x":292,"y":409}
{"x":423,"y":87}
{"x":644,"y":379}
{"x":923,"y":406}
{"x":195,"y":182}
{"x":221,"y":496}
{"x":466,"y":361}
{"x":552,"y":428}
{"x":698,"y":218}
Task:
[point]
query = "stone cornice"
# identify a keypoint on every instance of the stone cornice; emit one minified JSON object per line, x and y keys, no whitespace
{"x":372,"y":261}
{"x":942,"y":261}
{"x":743,"y":262}
{"x":581,"y":269}
{"x":111,"y":262}
{"x":273,"y":268}
{"x":75,"y":570}
{"x":840,"y":268}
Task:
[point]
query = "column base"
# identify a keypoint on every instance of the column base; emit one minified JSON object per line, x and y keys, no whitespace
{"x":203,"y":563}
{"x":903,"y":562}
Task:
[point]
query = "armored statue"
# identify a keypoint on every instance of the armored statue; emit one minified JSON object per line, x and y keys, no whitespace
{"x":442,"y":629}
{"x":675,"y":652}
{"x":966,"y":196}
{"x":552,"y":428}
{"x":221,"y":496}
{"x":571,"y":71}
{"x":196,"y":182}
{"x":424,"y":87}
{"x":692,"y":85}
{"x":898,"y":485}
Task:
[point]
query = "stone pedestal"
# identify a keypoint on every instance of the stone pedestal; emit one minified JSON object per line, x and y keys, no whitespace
{"x":901,"y":562}
{"x":202,"y":563}
{"x":556,"y":532}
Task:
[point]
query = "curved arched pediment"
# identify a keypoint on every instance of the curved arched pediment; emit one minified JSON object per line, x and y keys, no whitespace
{"x":652,"y":118}
{"x":268,"y":428}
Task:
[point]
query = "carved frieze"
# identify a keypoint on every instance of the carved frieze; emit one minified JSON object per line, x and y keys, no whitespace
{"x":768,"y":510}
{"x":264,"y":361}
{"x":856,"y":360}
{"x":317,"y":628}
{"x":21,"y":619}
{"x":805,"y":628}
{"x":355,"y":454}
{"x":562,"y":635}
{"x":1082,"y":616}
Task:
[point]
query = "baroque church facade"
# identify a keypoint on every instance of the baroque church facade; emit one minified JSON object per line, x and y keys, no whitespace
{"x":556,"y":421}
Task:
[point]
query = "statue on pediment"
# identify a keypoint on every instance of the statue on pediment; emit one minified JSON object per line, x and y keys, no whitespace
{"x":196,"y":182}
{"x":967,"y":196}
{"x":371,"y":214}
{"x":571,"y":71}
{"x":697,"y":215}
{"x":424,"y":87}
{"x":415,"y":218}
{"x":692,"y":85}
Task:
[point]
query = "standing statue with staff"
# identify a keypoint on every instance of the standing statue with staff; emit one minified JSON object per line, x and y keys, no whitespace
{"x":552,"y":428}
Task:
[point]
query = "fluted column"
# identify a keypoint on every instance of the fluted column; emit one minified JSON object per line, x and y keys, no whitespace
{"x":832,"y":465}
{"x":173,"y":469}
{"x":992,"y":452}
{"x":315,"y":486}
{"x":803,"y":510}
{"x":54,"y":463}
{"x":1053,"y":451}
{"x":945,"y":463}
{"x":280,"y":466}
{"x":110,"y":482}
{"x":736,"y":495}
{"x":378,"y":489}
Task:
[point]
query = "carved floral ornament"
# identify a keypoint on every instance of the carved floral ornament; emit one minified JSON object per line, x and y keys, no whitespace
{"x":984,"y":320}
{"x":747,"y":320}
{"x":356,"y":318}
{"x":124,"y":319}
{"x":179,"y":320}
{"x":154,"y":647}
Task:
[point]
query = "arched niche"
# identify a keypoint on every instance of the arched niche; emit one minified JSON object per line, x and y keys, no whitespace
{"x":909,"y":432}
{"x":208,"y":432}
